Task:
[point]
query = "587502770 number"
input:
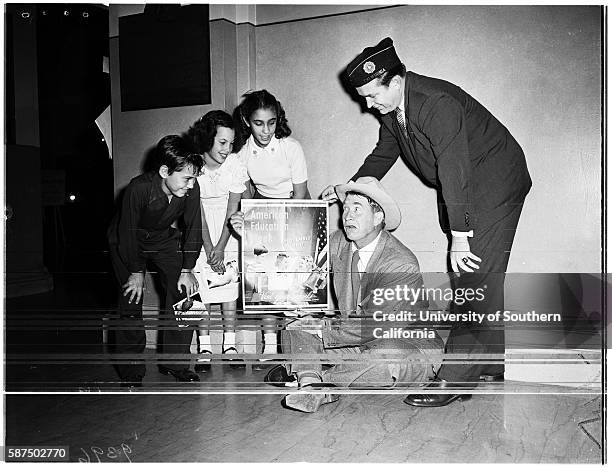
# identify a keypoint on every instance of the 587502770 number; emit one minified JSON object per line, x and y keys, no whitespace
{"x":36,"y":453}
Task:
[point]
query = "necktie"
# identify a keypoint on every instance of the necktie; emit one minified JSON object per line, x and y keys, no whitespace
{"x":355,"y":279}
{"x":399,"y":114}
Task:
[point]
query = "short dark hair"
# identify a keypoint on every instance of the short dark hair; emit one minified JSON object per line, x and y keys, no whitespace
{"x":202,"y":133}
{"x":253,"y":101}
{"x":375,"y":206}
{"x":398,"y":70}
{"x":176,"y":154}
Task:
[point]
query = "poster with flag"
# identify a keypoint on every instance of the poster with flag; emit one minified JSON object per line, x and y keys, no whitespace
{"x":285,"y":263}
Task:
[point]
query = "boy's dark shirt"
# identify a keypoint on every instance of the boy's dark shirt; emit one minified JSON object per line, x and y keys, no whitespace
{"x":144,"y":222}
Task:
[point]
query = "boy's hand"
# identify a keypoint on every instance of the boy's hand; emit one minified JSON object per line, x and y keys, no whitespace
{"x":188,"y":280}
{"x":237,"y":221}
{"x":134,"y":286}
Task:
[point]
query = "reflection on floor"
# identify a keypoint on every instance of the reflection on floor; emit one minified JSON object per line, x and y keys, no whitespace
{"x":501,"y":424}
{"x":244,"y":422}
{"x":93,"y":371}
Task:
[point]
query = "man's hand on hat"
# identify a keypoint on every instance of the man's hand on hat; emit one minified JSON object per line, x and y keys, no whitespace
{"x":329,"y":193}
{"x":461,"y":256}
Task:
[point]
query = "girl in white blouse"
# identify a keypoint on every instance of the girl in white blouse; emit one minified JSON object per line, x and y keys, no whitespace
{"x":222,"y":181}
{"x":274,"y":161}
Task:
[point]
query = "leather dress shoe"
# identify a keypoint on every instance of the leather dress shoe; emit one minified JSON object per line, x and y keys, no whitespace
{"x":278,"y":376}
{"x":131,"y":382}
{"x":205,"y":366}
{"x":438,"y":400}
{"x":184,"y":375}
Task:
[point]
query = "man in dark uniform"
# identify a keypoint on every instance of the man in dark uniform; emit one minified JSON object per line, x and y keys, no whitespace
{"x":479,"y":170}
{"x":142,"y":232}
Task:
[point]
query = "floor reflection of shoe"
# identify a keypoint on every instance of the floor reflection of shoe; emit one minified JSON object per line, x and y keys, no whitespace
{"x":184,"y":375}
{"x":496,"y":378}
{"x":131,"y":382}
{"x":205,"y":366}
{"x":308,"y":402}
{"x":438,"y":400}
{"x":236,"y":363}
{"x":263,"y":364}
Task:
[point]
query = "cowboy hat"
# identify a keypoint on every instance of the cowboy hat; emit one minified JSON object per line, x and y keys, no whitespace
{"x":372,"y":188}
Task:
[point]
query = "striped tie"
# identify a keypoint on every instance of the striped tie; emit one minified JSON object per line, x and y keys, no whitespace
{"x":399,"y":114}
{"x":355,"y":279}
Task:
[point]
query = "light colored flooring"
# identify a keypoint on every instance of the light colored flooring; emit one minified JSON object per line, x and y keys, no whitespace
{"x":504,"y":423}
{"x":166,"y":421}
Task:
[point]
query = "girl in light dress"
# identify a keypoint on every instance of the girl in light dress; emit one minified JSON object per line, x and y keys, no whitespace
{"x":222,"y":182}
{"x":275,"y":164}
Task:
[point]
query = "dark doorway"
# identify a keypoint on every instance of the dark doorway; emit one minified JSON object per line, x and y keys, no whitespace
{"x":73,"y":90}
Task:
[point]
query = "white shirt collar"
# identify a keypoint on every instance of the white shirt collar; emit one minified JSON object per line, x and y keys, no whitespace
{"x":272,"y":146}
{"x":366,"y":252}
{"x":402,"y":105}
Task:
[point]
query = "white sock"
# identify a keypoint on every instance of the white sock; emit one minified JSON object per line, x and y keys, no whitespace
{"x":270,"y":344}
{"x":229,"y":340}
{"x":205,"y":343}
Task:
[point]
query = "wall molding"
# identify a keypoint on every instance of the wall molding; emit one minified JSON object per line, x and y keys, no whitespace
{"x":309,"y":18}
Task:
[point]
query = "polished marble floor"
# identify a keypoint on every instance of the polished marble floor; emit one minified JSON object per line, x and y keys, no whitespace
{"x":504,"y":424}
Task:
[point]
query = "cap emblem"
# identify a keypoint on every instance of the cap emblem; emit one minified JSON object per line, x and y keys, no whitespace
{"x":369,"y":67}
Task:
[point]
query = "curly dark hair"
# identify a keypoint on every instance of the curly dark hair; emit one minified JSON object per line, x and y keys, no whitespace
{"x":175,"y":153}
{"x":255,"y":100}
{"x":202,"y":133}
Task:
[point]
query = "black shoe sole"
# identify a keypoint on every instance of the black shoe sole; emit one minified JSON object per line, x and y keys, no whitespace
{"x":456,"y":397}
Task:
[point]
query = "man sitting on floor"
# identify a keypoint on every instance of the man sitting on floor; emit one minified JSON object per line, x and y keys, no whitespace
{"x":366,"y":260}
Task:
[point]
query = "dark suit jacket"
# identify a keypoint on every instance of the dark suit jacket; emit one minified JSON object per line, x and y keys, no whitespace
{"x":391,"y":264}
{"x":457,"y":146}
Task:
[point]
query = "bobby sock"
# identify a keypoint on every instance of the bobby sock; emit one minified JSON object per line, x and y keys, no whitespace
{"x":205,"y":343}
{"x":229,"y":340}
{"x":270,"y":344}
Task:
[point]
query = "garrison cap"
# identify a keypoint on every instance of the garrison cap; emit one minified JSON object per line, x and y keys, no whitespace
{"x":372,"y":63}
